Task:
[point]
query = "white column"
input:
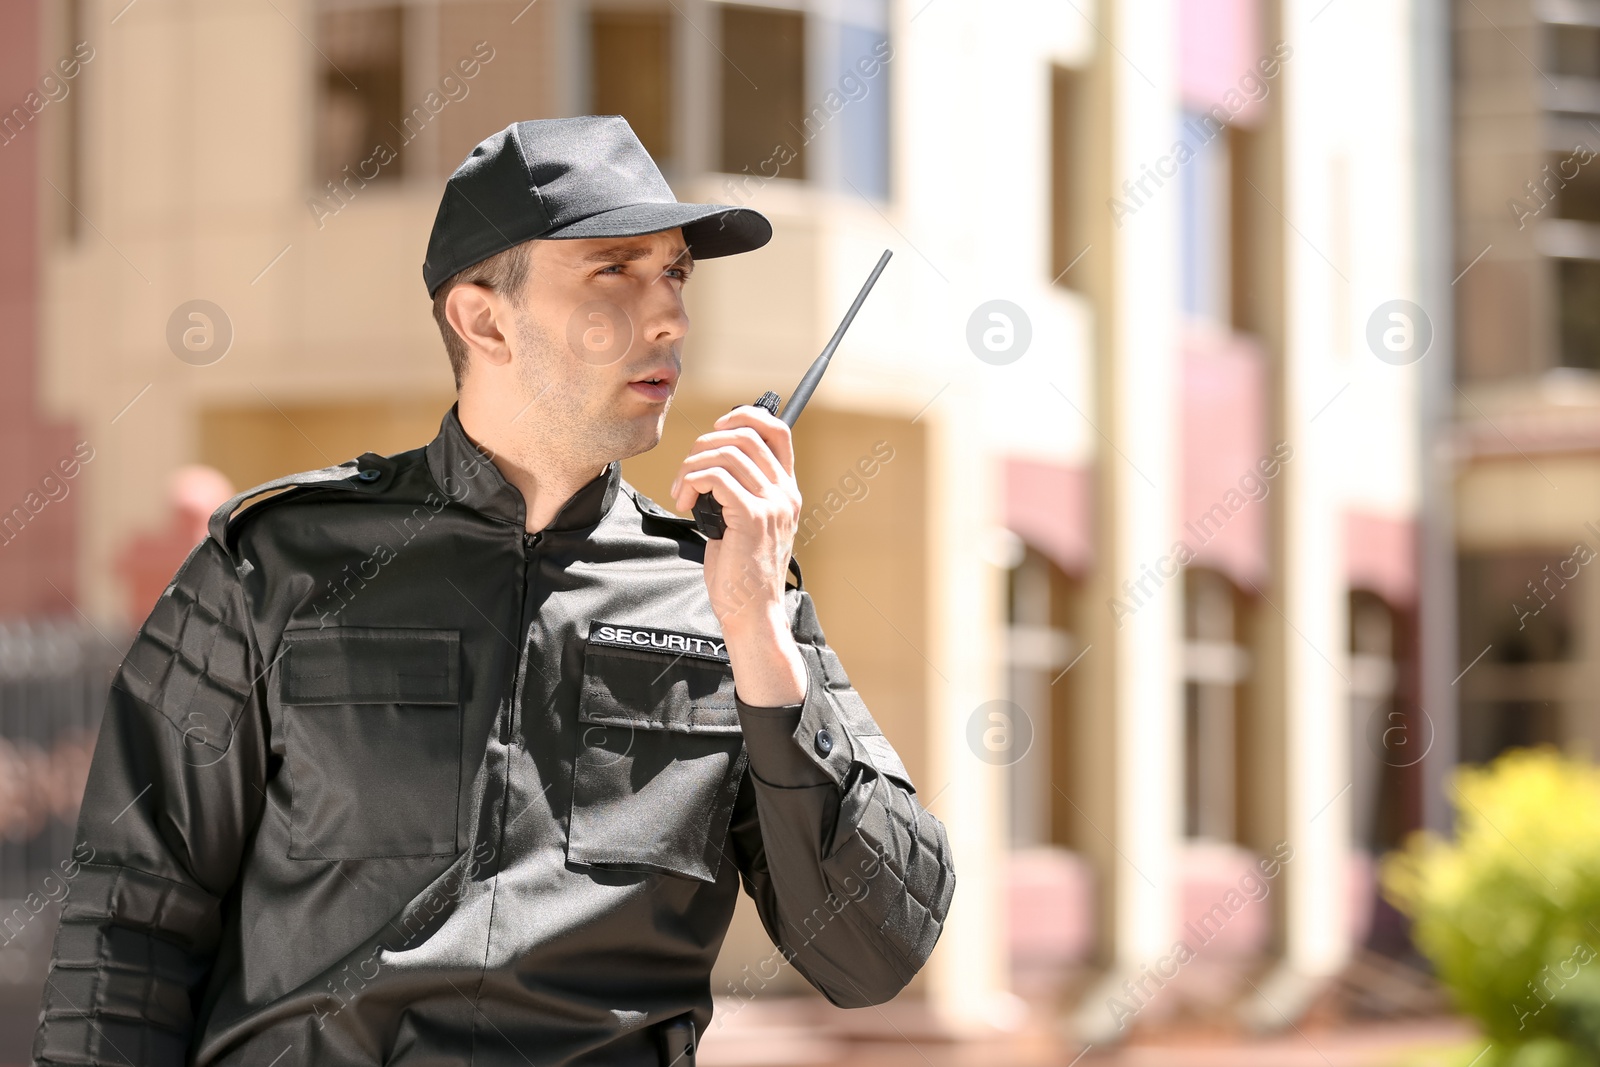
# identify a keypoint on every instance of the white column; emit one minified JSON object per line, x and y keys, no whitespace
{"x":968,"y":971}
{"x":1310,"y":587}
{"x":1142,"y":475}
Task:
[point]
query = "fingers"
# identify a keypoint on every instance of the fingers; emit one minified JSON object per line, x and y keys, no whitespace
{"x":771,"y":429}
{"x":734,"y":497}
{"x":735,"y":461}
{"x":751,"y":445}
{"x":744,"y":442}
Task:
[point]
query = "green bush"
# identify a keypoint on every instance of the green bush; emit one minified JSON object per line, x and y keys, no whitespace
{"x":1509,"y":912}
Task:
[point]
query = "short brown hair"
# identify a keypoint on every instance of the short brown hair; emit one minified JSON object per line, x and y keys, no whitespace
{"x":505,"y":273}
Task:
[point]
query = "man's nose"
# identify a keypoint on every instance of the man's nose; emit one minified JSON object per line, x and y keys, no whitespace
{"x":664,"y":318}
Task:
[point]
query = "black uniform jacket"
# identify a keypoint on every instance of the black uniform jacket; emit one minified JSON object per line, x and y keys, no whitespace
{"x":384,"y":779}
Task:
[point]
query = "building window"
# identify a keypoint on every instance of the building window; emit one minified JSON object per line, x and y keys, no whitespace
{"x":1377,"y":727}
{"x":862,"y":98}
{"x":1215,"y":665}
{"x":72,"y":139}
{"x":1578,"y":292}
{"x":1205,"y":185}
{"x":1040,"y":646}
{"x":1574,"y":51}
{"x":1068,"y":234}
{"x":1249,"y":267}
{"x":1575,"y":185}
{"x":360,"y":83}
{"x":1520,"y":619}
{"x":632,"y":74}
{"x":805,"y":95}
{"x":763,"y":91}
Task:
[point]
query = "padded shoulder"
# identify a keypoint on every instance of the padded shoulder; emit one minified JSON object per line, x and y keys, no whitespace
{"x":354,"y":474}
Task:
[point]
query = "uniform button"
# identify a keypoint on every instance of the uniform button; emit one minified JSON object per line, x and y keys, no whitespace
{"x":824,"y":742}
{"x":371,"y":474}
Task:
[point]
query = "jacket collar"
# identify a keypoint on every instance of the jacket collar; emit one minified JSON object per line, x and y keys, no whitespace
{"x":469,"y":477}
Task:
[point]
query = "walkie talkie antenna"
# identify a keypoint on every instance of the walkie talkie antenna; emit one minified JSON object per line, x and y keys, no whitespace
{"x":808,"y":384}
{"x":707,"y":512}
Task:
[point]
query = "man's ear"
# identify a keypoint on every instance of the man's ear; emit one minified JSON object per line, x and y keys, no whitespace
{"x":480,"y":316}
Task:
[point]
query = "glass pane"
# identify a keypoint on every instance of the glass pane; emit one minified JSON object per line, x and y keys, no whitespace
{"x":763,"y":92}
{"x":1522,"y":625}
{"x":360,"y":79}
{"x":1575,"y":184}
{"x":1192,"y":814}
{"x":1068,"y":146}
{"x":1204,"y":226}
{"x":863,"y":88}
{"x":1579,"y":286}
{"x":1575,"y":51}
{"x":632,"y":71}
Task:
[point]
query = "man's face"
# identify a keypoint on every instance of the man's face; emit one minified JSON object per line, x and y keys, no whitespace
{"x":598,"y":342}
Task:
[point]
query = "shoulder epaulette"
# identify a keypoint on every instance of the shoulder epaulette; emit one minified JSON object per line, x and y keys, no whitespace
{"x":357,"y":474}
{"x":650,"y":509}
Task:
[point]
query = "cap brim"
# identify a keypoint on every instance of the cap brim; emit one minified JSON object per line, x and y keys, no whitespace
{"x":710,"y":230}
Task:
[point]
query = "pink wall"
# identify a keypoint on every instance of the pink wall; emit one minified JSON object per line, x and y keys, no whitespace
{"x":1222,"y":512}
{"x":44,"y":550}
{"x":1219,"y":41}
{"x":1225,"y":498}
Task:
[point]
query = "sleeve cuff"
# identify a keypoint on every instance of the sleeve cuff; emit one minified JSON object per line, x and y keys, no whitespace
{"x":796,"y":745}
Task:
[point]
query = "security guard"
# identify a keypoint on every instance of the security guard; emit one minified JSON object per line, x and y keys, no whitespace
{"x":460,"y":755}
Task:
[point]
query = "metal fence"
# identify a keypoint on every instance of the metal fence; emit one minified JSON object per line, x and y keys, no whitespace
{"x":54,"y":677}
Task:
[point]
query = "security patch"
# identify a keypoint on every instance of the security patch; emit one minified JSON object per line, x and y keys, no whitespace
{"x":672,"y":642}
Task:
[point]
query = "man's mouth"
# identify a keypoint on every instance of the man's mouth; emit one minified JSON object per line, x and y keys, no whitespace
{"x":655,"y":387}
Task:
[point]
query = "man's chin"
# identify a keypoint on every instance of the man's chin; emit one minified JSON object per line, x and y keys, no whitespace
{"x":641,"y":435}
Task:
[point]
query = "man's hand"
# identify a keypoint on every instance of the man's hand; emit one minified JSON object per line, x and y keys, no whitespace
{"x":747,"y":463}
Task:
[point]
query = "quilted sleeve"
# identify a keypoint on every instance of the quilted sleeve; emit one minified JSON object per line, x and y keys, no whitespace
{"x":174,"y":791}
{"x":851,"y":875}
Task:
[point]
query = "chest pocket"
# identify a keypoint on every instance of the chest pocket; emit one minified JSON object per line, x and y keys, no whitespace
{"x":659,"y":760}
{"x":372,"y":741}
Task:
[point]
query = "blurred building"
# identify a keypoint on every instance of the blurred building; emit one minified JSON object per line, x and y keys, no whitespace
{"x":1244,"y":213}
{"x":1112,"y":496}
{"x":1527,"y":430}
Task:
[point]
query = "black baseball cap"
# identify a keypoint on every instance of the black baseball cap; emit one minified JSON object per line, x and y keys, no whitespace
{"x":571,"y":178}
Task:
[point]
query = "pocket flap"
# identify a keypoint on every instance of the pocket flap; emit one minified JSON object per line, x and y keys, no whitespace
{"x":370,"y":665}
{"x":656,"y":691}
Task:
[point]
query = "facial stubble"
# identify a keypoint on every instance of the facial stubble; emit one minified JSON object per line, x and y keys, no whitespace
{"x":571,"y":407}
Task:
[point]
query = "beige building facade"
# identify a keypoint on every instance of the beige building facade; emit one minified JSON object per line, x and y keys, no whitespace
{"x":1111,"y":503}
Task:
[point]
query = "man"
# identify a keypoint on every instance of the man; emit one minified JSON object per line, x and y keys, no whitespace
{"x":460,"y":755}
